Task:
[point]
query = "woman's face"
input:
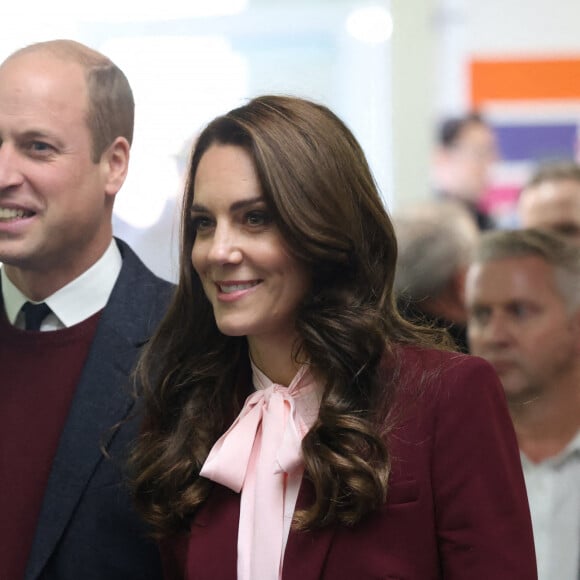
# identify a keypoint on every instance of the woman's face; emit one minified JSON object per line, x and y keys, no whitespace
{"x":248,"y":275}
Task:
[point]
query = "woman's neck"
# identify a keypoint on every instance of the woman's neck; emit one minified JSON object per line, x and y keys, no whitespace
{"x":273,"y":356}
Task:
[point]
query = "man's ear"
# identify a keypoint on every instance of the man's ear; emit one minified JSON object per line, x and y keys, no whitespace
{"x":457,"y":285}
{"x":115,"y":162}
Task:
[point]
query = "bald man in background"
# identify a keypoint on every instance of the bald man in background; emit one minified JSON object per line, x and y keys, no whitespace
{"x":435,"y":244}
{"x":551,"y":200}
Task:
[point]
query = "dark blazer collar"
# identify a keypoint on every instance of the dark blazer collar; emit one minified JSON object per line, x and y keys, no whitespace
{"x":102,"y":398}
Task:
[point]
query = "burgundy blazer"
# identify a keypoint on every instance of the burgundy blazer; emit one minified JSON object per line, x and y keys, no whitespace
{"x":456,"y":508}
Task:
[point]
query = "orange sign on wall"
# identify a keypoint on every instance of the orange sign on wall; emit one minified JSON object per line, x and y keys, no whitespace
{"x":509,"y":80}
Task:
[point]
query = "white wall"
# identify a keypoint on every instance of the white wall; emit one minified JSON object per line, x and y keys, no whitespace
{"x":518,"y":28}
{"x":413,"y":86}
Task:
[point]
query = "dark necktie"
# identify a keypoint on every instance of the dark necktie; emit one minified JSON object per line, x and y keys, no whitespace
{"x":34,"y":314}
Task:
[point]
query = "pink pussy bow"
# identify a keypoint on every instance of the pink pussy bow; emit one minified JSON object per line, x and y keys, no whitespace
{"x":260,"y":455}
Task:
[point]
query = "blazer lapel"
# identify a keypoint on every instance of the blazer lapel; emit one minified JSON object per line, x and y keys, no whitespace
{"x":306,"y":551}
{"x":103,"y":399}
{"x":98,"y":404}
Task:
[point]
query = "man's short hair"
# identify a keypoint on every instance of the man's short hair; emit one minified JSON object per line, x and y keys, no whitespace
{"x":110,"y":107}
{"x":435,"y":240}
{"x":559,"y":170}
{"x":450,"y":129}
{"x":551,"y":247}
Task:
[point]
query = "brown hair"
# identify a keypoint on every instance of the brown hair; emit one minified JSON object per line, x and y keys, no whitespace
{"x":316,"y":182}
{"x":110,"y":108}
{"x":451,"y":128}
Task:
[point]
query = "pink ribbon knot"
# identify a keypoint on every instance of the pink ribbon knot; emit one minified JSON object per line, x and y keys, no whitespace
{"x":260,"y":456}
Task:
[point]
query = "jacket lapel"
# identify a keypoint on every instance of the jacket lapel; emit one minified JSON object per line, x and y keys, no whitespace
{"x":99,"y":403}
{"x":306,"y":552}
{"x":102,"y":400}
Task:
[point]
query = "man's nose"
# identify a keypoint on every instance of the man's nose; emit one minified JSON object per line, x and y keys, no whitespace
{"x":497,"y":330}
{"x":10,"y":173}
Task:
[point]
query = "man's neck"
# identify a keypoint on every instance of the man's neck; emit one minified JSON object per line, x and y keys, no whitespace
{"x":545,"y":425}
{"x":39,"y":283}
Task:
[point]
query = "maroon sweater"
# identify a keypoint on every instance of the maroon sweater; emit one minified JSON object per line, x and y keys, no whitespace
{"x":39,"y":372}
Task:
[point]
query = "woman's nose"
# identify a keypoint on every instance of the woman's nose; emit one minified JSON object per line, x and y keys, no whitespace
{"x":225,"y":246}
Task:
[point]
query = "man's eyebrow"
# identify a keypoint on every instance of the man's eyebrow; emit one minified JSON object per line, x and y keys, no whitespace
{"x":29,"y":134}
{"x":34,"y":133}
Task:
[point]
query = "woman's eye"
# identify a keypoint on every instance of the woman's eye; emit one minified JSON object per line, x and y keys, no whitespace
{"x":201,"y":223}
{"x":257,"y":218}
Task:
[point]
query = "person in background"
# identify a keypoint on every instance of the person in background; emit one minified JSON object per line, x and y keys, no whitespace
{"x":551,"y":199}
{"x":465,"y":153}
{"x":360,"y":451}
{"x":523,"y":297}
{"x":435,"y":240}
{"x":75,"y":308}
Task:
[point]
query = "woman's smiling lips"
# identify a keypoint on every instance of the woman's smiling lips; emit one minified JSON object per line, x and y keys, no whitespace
{"x":230,"y":290}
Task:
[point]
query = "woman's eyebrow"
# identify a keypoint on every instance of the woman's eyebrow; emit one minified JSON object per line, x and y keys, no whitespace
{"x":197,"y":207}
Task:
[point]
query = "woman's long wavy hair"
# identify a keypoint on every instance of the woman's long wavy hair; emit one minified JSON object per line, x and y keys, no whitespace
{"x":317,"y":183}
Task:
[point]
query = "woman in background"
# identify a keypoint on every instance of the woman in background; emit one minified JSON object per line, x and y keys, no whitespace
{"x":296,"y":427}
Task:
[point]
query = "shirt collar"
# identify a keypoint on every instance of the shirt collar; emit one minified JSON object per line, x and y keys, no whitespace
{"x":574,"y":445}
{"x":79,"y":299}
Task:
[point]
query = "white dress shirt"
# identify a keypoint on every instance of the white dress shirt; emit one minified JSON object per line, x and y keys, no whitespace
{"x":76,"y":301}
{"x":553,"y":487}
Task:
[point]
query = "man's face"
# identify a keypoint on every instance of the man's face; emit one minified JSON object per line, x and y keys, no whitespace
{"x":55,"y":211}
{"x":552,"y":205}
{"x":466,"y":165}
{"x":518,"y":321}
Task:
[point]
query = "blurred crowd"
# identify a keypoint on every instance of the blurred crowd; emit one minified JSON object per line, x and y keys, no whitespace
{"x":511,"y":296}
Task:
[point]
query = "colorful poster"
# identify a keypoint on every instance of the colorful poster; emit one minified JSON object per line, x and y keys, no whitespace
{"x":534,"y":106}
